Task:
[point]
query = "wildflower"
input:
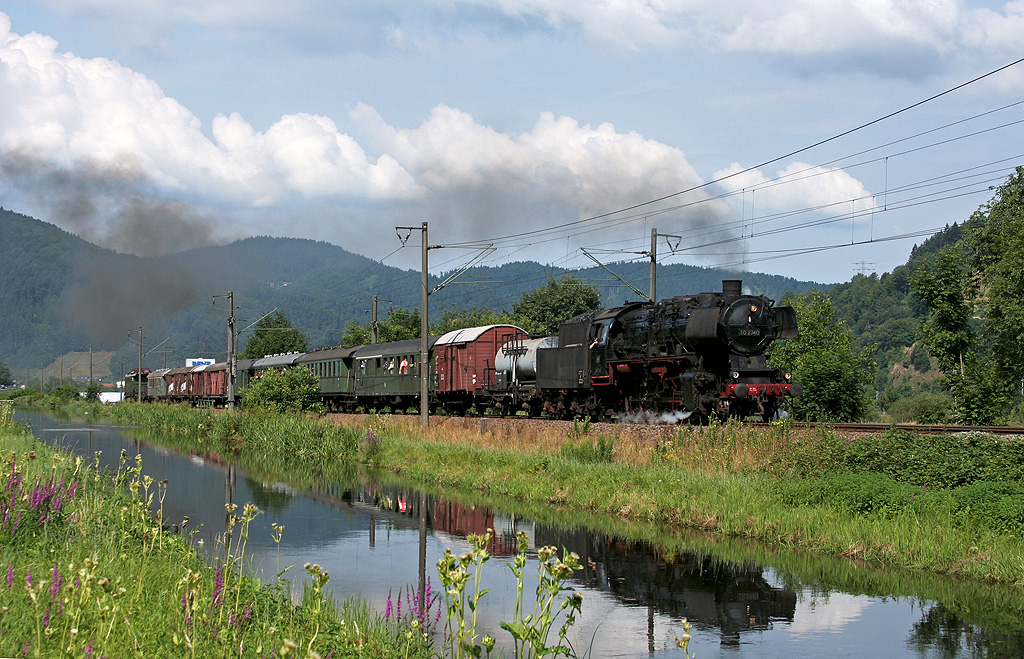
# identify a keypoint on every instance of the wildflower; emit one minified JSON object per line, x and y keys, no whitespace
{"x":10,"y":575}
{"x":219,"y":588}
{"x":55,"y":582}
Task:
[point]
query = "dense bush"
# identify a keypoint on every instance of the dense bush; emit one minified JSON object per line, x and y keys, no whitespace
{"x":922,"y":408}
{"x":855,"y":493}
{"x":61,"y":395}
{"x":996,"y":506}
{"x":948,"y":460}
{"x":297,"y":390}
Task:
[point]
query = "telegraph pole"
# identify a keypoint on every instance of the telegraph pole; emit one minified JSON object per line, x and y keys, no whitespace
{"x":654,"y":265}
{"x":232,"y":348}
{"x":373,"y":320}
{"x":424,"y":327}
{"x":139,"y":376}
{"x":654,"y":258}
{"x":424,"y":367}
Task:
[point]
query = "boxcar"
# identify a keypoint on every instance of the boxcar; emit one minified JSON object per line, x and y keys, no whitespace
{"x":178,"y":385}
{"x":464,"y":364}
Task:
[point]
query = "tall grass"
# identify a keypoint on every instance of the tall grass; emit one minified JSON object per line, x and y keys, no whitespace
{"x":87,"y":571}
{"x":815,"y":489}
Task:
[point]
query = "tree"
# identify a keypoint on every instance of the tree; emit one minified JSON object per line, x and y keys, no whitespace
{"x":823,"y":360}
{"x":975,"y":297}
{"x":400,"y":325}
{"x":994,"y":236}
{"x":273,"y":335}
{"x":6,"y":379}
{"x":943,"y":284}
{"x":459,"y":318}
{"x":297,"y":390}
{"x":543,"y":309}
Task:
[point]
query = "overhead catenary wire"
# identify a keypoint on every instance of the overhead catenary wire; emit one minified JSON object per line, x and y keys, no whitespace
{"x":776,"y":159}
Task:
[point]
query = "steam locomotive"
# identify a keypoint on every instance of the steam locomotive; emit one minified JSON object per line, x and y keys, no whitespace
{"x":692,"y":356}
{"x":701,"y":355}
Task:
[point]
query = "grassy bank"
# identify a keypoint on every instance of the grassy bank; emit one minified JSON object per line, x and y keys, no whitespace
{"x":86,"y":570}
{"x":950,"y":505}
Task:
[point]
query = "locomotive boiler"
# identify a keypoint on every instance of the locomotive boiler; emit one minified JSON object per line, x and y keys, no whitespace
{"x":693,"y":355}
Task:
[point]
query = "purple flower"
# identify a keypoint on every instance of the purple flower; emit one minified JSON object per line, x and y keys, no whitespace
{"x":10,"y":575}
{"x":55,"y":582}
{"x":218,"y":590}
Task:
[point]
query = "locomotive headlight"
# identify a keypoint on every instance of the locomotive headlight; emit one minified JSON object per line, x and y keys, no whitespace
{"x":734,"y":375}
{"x":788,"y":376}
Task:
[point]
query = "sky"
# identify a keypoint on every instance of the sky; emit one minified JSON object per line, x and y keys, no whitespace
{"x":539,"y":130}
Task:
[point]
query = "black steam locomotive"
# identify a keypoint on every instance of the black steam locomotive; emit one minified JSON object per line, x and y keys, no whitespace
{"x":700,"y":355}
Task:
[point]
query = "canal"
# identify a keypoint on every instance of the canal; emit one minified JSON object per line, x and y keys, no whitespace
{"x":374,"y":535}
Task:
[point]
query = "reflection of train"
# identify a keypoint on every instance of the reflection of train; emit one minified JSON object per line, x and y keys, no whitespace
{"x":698,"y":354}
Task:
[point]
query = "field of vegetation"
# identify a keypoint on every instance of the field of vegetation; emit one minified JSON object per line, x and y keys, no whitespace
{"x":950,"y":504}
{"x":944,"y":505}
{"x":86,"y":570}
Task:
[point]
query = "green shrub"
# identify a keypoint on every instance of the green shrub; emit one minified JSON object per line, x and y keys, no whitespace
{"x":922,"y":408}
{"x":945,"y":461}
{"x":995,"y":506}
{"x":297,"y":390}
{"x":61,"y":395}
{"x":856,"y":493}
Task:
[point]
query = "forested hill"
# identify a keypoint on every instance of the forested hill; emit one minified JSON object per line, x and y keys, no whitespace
{"x":59,"y":293}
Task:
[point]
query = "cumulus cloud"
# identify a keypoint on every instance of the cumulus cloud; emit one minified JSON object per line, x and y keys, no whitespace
{"x":109,"y":154}
{"x":800,"y":187}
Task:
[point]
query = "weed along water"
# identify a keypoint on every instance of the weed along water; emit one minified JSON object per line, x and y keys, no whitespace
{"x":640,"y":584}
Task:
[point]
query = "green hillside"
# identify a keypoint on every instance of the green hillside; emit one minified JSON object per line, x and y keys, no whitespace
{"x":60,"y":294}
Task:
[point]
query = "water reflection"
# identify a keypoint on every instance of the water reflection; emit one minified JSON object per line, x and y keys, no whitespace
{"x":376,"y":536}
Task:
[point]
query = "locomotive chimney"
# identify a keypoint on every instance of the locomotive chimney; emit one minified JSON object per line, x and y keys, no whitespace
{"x":732,"y":286}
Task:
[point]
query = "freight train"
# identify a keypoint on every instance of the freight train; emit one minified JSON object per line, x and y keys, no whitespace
{"x":692,"y":356}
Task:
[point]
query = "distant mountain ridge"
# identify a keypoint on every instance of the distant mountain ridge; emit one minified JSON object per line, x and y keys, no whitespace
{"x":59,"y":293}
